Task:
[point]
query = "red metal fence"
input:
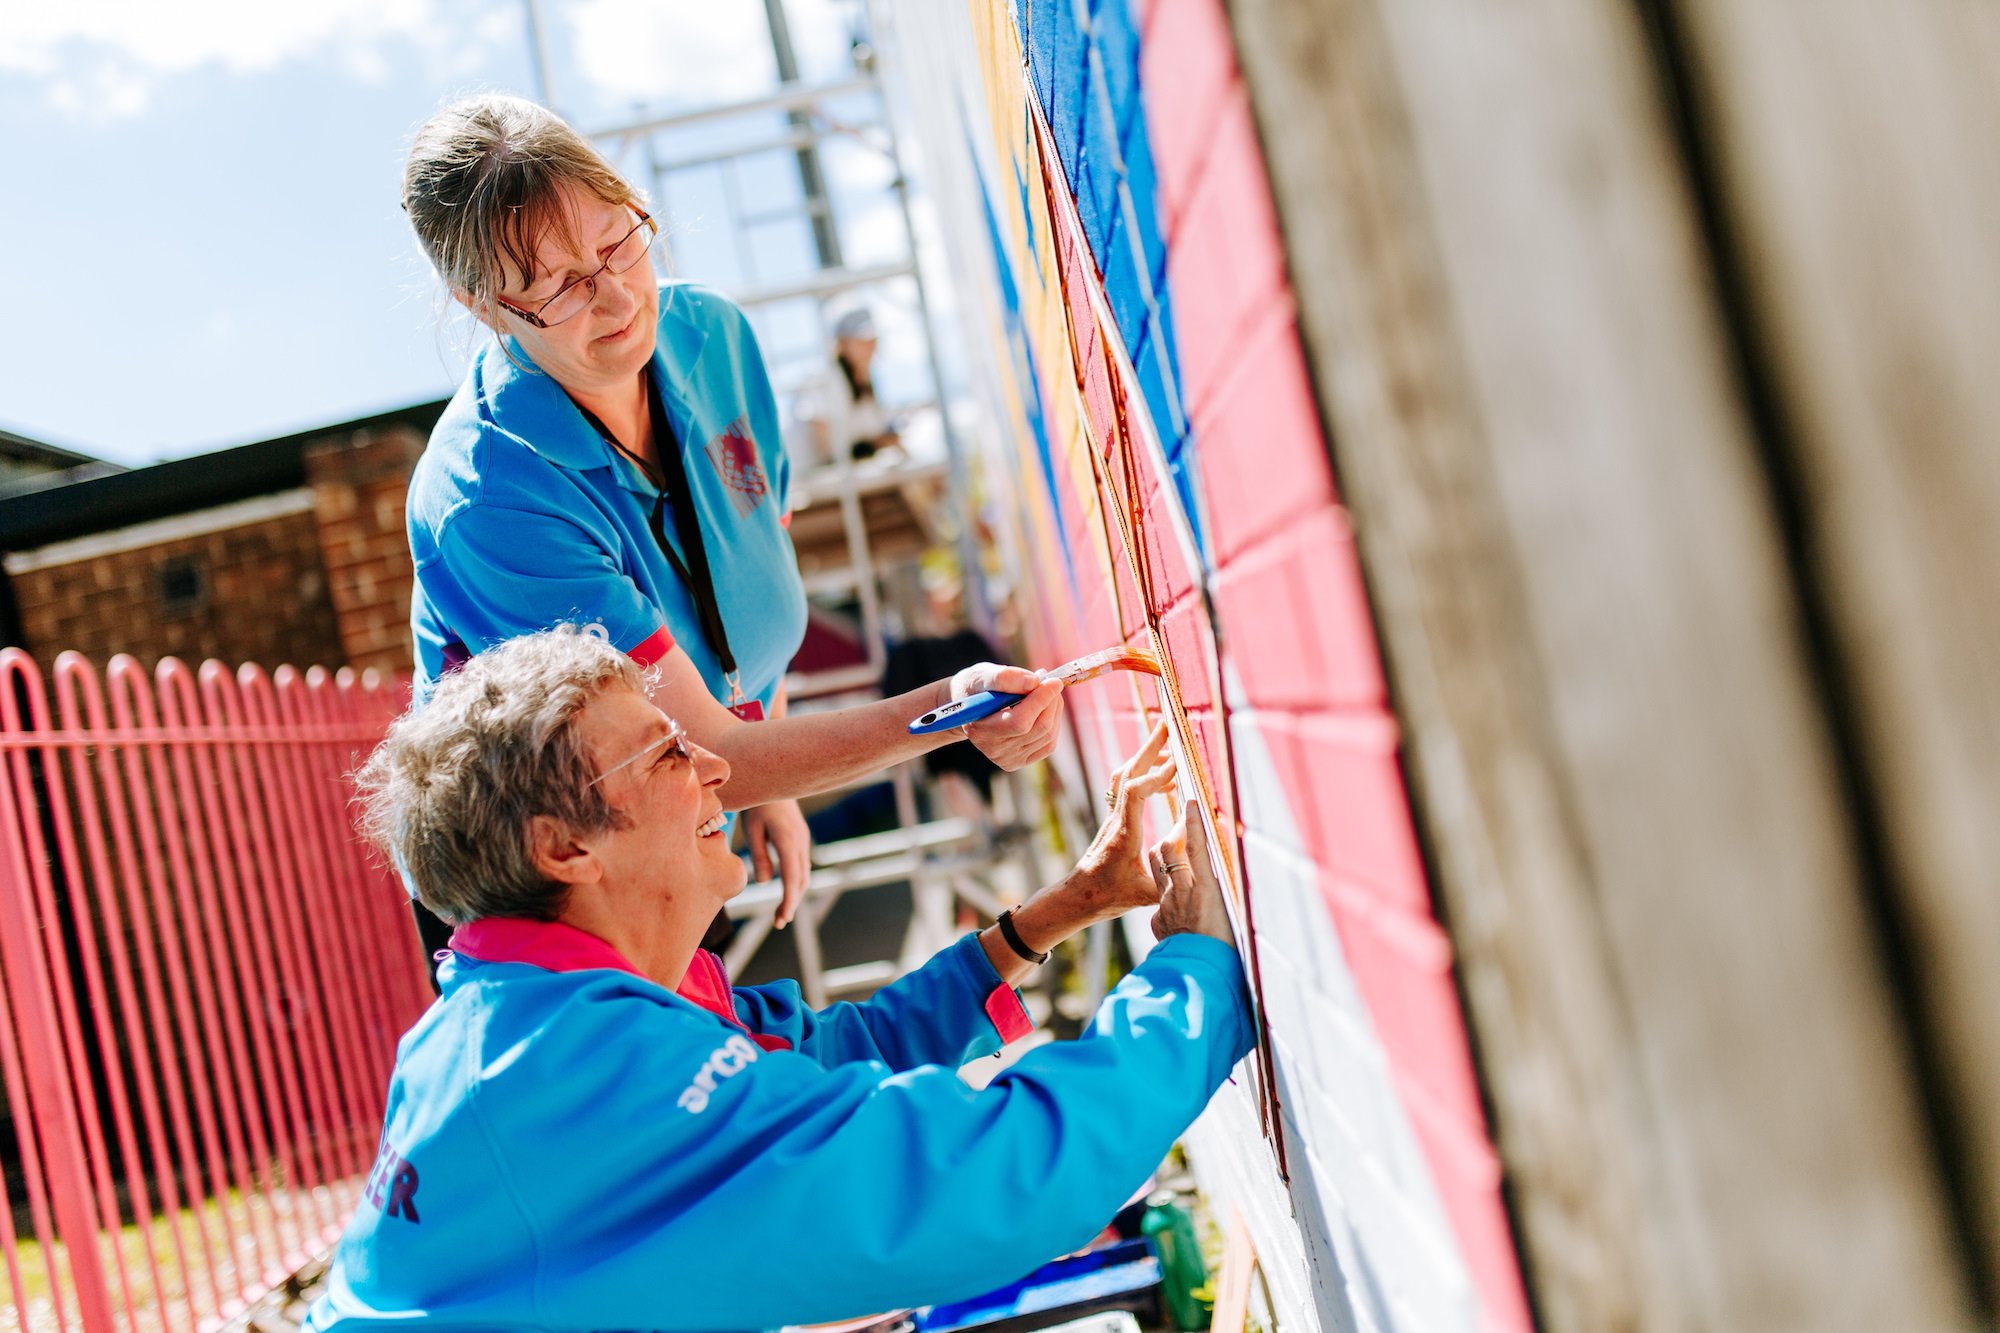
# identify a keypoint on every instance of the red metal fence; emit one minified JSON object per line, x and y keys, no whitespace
{"x":204,"y":979}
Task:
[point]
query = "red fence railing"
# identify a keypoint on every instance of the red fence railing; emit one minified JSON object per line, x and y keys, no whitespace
{"x":204,"y":979}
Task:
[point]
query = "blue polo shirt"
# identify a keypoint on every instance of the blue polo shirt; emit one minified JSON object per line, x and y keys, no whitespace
{"x":521,"y":516}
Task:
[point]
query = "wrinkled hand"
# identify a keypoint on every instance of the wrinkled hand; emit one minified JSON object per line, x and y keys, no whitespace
{"x":1113,"y":865}
{"x":779,"y":831}
{"x":1191,"y":900}
{"x":1022,"y":734}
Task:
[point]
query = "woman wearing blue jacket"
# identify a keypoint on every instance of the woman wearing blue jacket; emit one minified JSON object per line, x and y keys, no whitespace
{"x":614,"y":461}
{"x":590,"y":1130}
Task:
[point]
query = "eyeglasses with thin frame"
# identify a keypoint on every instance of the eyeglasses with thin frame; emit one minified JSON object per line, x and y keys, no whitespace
{"x":675,"y":743}
{"x":576,"y":297}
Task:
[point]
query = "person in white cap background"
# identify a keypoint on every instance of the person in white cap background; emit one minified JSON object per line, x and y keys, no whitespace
{"x":844,"y":418}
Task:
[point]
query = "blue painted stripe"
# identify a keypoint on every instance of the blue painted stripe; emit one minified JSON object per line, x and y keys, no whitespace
{"x":1026,"y":373}
{"x":1088,"y":86}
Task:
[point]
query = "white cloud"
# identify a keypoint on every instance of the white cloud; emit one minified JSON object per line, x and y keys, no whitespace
{"x":822,"y":36}
{"x":105,"y":59}
{"x":680,"y":53}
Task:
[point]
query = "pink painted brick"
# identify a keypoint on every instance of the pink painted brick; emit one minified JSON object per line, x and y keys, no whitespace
{"x":1187,"y":60}
{"x":1337,"y":626}
{"x":1168,"y":566}
{"x":1094,"y":610}
{"x":1259,"y":450}
{"x":1401,"y":964}
{"x":1202,"y":282}
{"x":1456,"y":1140}
{"x":1084,"y":710}
{"x":1108,"y":629}
{"x":1261,"y":622}
{"x":1234,"y":171}
{"x":1097,"y":406}
{"x":1173,"y":576}
{"x":1130,"y":606}
{"x":1355,"y":807}
{"x":1082,"y":536}
{"x":1209,"y":738}
{"x":1079,"y":271}
{"x":1143,"y":687}
{"x":1468,"y":1183}
{"x":1225,"y":262}
{"x":1127,"y":729}
{"x":1149,"y":489}
{"x":1280,"y":732}
{"x":1184,"y":628}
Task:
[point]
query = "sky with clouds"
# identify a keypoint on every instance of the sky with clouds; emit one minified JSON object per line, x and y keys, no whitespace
{"x":198,"y":225}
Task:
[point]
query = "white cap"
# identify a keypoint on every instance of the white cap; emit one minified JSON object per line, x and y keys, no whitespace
{"x":856,"y":323}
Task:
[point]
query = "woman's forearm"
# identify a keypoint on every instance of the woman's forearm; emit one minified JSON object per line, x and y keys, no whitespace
{"x":783,"y":758}
{"x":1058,"y":911}
{"x":788,"y":757}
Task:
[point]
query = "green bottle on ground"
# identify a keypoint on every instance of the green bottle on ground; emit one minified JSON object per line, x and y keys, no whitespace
{"x":1182,"y":1271}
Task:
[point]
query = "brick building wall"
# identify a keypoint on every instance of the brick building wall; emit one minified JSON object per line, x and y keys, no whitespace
{"x":359,"y":484}
{"x":313,"y":572}
{"x":240,"y":583}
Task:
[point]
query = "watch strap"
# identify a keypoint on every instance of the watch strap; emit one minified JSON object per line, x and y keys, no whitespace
{"x":1014,"y":940}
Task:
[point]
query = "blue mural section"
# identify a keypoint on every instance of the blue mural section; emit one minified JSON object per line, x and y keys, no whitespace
{"x":1085,"y":73}
{"x":1026,"y":373}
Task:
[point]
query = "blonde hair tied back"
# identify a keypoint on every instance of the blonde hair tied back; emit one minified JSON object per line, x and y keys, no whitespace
{"x":483,"y":186}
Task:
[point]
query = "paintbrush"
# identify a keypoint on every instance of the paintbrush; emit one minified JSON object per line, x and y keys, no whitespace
{"x":988,"y":702}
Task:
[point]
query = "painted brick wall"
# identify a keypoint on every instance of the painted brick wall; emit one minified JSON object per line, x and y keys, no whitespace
{"x":1394,"y":1182}
{"x":1156,"y":211}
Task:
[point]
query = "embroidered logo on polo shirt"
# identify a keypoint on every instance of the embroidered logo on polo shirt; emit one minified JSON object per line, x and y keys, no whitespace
{"x":734,"y":454}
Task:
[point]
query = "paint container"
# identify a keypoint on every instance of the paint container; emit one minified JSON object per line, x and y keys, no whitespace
{"x":1182,"y":1270}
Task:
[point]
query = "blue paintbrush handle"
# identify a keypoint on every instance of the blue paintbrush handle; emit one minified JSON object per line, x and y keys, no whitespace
{"x":961,"y":711}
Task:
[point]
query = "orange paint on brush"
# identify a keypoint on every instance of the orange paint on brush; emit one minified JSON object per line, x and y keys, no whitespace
{"x":1103,"y":663}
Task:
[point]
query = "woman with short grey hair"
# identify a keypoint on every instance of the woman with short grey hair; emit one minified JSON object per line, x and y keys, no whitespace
{"x":592,"y":1130}
{"x":448,"y":796}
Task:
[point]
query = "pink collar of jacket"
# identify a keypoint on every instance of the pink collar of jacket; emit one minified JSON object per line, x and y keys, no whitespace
{"x":555,"y":947}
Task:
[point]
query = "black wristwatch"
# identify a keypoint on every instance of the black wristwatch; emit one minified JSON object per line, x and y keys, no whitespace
{"x":1014,"y":940}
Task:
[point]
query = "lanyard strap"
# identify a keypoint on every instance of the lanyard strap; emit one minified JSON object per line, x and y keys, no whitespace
{"x":694,"y":573}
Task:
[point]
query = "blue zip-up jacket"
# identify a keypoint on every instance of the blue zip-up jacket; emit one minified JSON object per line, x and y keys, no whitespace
{"x":569,"y":1145}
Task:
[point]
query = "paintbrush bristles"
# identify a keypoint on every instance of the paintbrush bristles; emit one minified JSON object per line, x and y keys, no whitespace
{"x":1136,"y":659}
{"x":1111,"y":659}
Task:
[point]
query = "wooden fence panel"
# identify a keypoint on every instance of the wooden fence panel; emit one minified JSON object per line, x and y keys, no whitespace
{"x":1615,"y":733}
{"x":1853,"y":149}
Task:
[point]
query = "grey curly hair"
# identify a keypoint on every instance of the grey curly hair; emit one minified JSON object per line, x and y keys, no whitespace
{"x":449,"y":792}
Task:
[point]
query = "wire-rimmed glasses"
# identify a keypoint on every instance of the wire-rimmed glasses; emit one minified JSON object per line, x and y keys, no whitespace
{"x":675,"y":743}
{"x":576,"y":297}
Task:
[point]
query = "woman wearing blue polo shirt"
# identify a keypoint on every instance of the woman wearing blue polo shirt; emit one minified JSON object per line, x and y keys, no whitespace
{"x":615,"y":462}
